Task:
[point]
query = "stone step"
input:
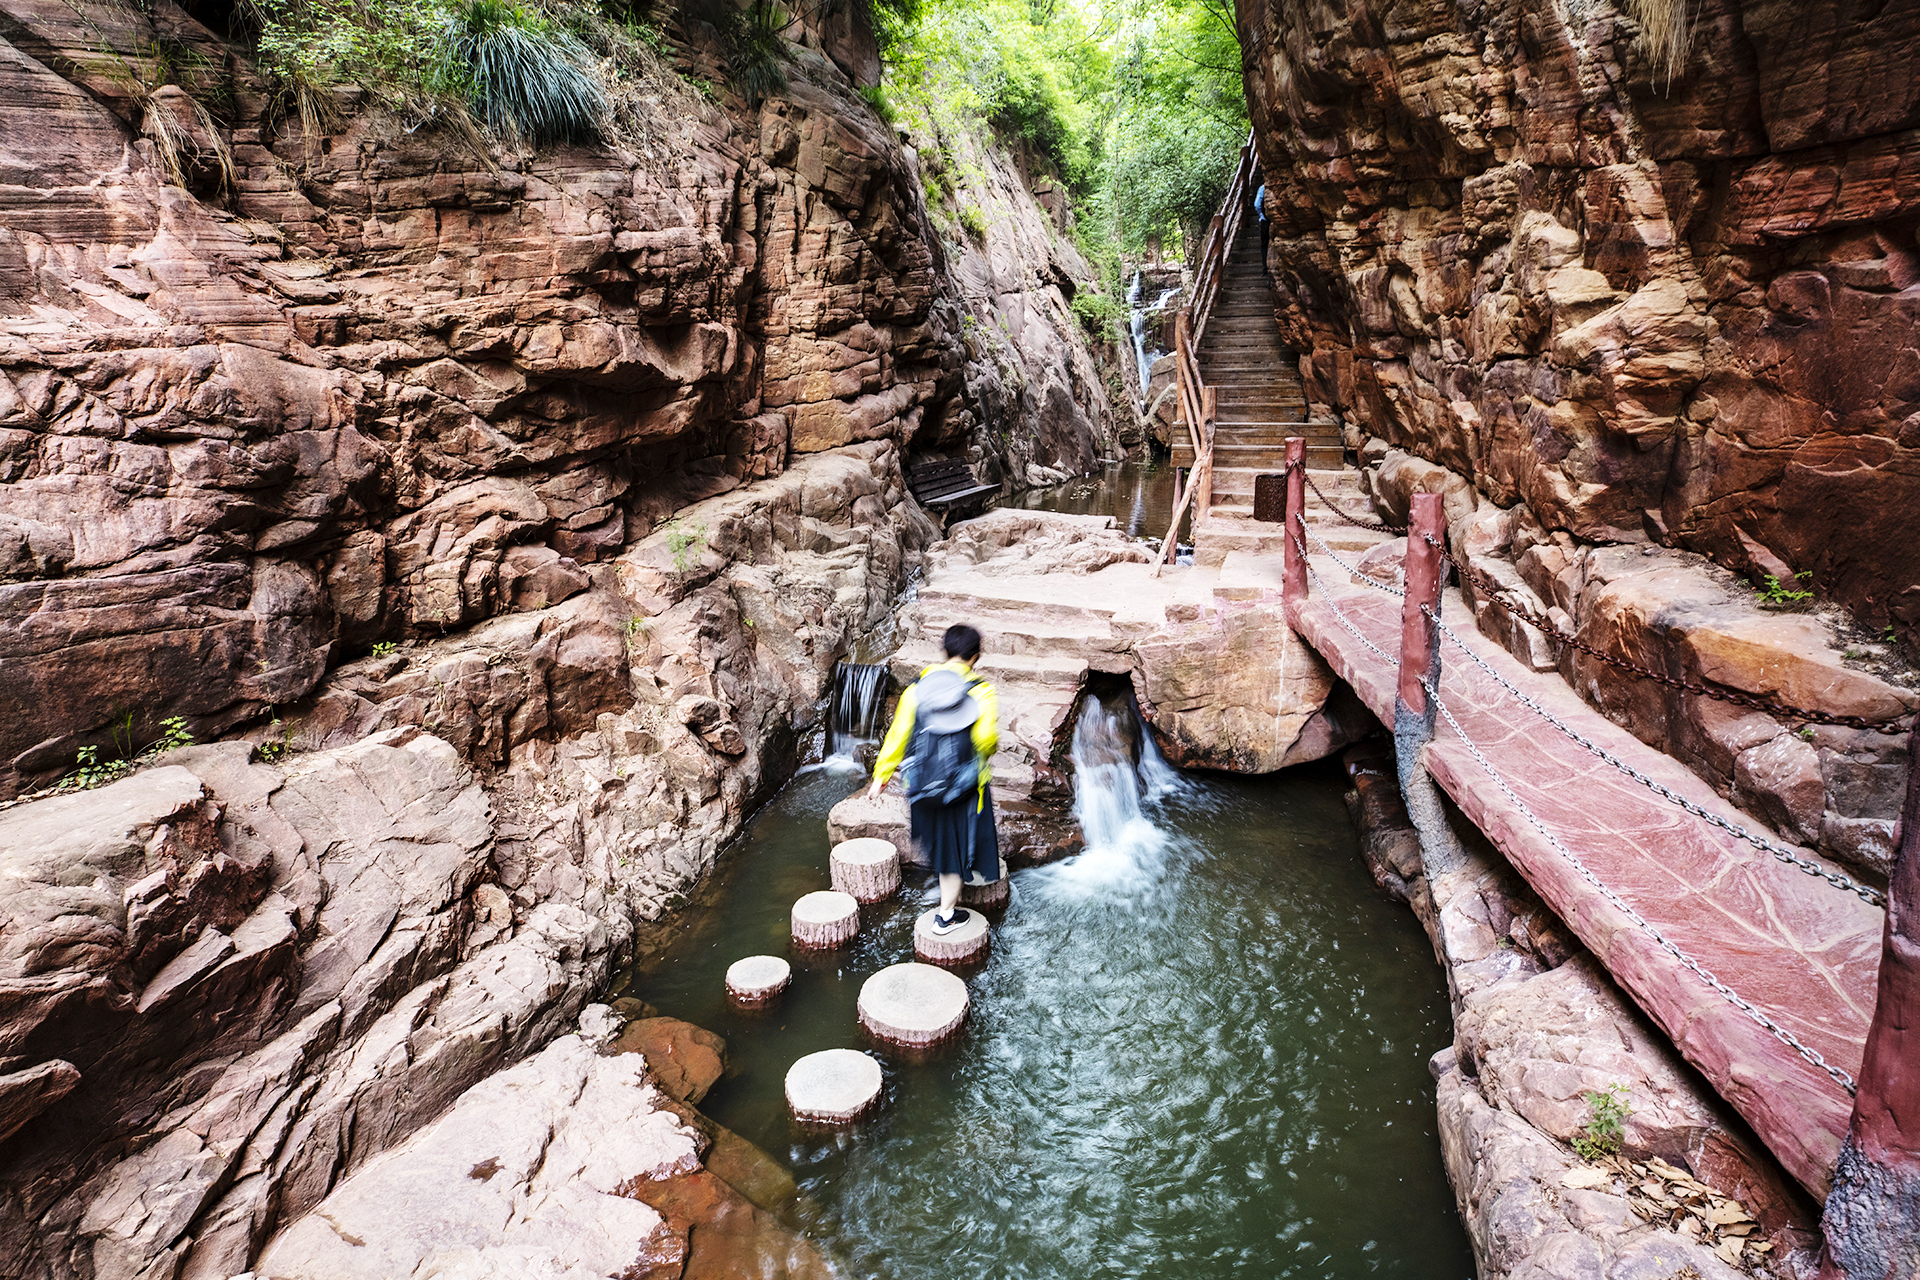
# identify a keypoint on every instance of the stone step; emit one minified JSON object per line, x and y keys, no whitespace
{"x":1002,"y":668}
{"x":1224,"y":533}
{"x":1015,"y":634}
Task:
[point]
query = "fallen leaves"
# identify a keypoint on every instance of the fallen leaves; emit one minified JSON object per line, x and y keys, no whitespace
{"x":1662,"y":1193}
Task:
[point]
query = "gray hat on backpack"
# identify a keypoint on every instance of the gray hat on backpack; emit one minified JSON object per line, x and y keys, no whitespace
{"x":945,"y":703}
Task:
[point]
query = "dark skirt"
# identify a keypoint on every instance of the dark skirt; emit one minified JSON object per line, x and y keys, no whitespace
{"x":942,"y":830}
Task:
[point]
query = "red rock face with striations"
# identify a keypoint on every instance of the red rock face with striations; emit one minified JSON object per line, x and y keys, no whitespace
{"x":1683,"y":309}
{"x":394,"y":389}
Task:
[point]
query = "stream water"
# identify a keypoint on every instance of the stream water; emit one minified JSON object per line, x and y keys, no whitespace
{"x":1198,"y":1050}
{"x":1138,"y":495}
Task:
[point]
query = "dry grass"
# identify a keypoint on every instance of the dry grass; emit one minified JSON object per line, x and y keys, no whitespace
{"x":1667,"y":32}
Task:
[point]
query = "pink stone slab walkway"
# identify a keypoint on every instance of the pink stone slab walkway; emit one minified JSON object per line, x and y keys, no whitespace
{"x":1801,"y":950}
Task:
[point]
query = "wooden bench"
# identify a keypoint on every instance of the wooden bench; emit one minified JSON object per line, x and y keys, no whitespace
{"x":947,"y":485}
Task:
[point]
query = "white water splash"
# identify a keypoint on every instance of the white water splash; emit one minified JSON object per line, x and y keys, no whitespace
{"x":1124,"y":844}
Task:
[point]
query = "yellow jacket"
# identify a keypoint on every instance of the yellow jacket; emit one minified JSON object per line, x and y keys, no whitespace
{"x":986,"y":730}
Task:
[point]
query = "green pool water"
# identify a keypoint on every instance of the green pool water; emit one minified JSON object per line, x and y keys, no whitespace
{"x":1198,"y":1050}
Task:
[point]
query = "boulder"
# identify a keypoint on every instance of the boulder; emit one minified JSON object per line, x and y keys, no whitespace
{"x":684,"y":1060}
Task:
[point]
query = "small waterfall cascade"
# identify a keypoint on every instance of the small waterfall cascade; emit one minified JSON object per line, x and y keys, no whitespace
{"x":1137,"y":322}
{"x":1159,"y":778}
{"x":1108,"y":795}
{"x":853,"y":716}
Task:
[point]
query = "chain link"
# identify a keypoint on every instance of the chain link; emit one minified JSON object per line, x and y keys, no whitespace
{"x":1784,"y":854}
{"x":1355,"y":521}
{"x":1326,"y":598}
{"x":1366,"y":578}
{"x":1779,"y":1032}
{"x":1492,"y":591}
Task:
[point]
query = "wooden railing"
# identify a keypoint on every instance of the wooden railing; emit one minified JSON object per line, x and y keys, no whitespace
{"x":1196,"y":400}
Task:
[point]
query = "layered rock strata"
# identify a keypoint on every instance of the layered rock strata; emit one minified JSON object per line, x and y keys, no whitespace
{"x":1651,"y":297}
{"x":1539,"y":1026}
{"x":242,"y":980}
{"x":396,"y":388}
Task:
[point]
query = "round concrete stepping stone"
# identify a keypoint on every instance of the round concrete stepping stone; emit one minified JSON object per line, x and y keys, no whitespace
{"x":758,"y":981}
{"x":833,"y":1088}
{"x":914,"y":1006}
{"x":868,"y":868}
{"x":825,"y":920}
{"x":966,"y":945}
{"x":988,"y":897}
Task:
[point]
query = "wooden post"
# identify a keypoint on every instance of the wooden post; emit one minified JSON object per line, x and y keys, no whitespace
{"x":1294,"y":546}
{"x":1203,"y":469}
{"x":1872,"y":1219}
{"x":1413,"y":711}
{"x":1419,"y":632}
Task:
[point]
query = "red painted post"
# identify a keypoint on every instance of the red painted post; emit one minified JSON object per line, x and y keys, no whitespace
{"x":1420,"y":633}
{"x":1294,"y":545}
{"x":1872,"y":1219}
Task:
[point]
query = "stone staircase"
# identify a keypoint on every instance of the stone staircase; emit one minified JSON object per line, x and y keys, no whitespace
{"x":1259,"y":403}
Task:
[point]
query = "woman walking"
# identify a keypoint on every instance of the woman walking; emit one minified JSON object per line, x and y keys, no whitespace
{"x":944,"y":733}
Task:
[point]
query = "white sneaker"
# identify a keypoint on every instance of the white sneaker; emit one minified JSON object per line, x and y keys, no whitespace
{"x":944,"y":925}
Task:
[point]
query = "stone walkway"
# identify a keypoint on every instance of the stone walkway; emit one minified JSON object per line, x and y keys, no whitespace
{"x":1802,"y":951}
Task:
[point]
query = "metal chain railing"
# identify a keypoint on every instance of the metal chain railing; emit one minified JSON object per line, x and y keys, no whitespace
{"x":1496,"y":596}
{"x":1326,"y":598}
{"x":1367,"y":578}
{"x":1355,"y":521}
{"x":1733,"y":997}
{"x":1734,"y":829}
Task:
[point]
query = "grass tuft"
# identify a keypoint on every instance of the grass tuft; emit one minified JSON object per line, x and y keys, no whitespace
{"x":1668,"y":32}
{"x":519,"y":75}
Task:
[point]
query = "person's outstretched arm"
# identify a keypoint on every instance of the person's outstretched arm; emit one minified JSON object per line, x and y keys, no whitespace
{"x":894,"y":749}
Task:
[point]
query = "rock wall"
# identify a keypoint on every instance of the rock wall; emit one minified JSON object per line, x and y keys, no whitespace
{"x":1007,"y":222}
{"x":1675,"y":304}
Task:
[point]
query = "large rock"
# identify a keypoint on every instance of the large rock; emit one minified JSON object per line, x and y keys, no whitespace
{"x":530,"y":1173}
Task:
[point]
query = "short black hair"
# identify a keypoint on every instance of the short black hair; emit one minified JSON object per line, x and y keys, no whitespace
{"x":961,"y":641}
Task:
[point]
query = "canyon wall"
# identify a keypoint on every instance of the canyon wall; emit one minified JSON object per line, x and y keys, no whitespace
{"x":381,"y":382}
{"x":505,"y":514}
{"x":1677,"y":303}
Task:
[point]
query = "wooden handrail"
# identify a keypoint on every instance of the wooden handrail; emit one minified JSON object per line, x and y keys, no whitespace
{"x":1199,"y":405}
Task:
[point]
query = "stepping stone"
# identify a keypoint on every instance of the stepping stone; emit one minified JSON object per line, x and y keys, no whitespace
{"x":824,"y":920}
{"x":988,"y":897}
{"x":758,"y":981}
{"x":834,"y":1088}
{"x":965,"y":945}
{"x":867,"y":868}
{"x":913,"y":1006}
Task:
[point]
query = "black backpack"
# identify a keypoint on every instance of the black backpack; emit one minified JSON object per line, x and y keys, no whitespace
{"x":942,"y":767}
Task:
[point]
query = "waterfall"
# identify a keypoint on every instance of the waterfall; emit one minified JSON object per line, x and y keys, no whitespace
{"x":1109,"y":801}
{"x":853,"y":716}
{"x":1137,"y":323}
{"x":1158,"y":777}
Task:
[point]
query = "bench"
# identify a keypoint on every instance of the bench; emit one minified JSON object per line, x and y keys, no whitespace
{"x":945,"y":485}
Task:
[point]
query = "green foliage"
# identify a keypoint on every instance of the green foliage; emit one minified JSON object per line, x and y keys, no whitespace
{"x":277,"y":745}
{"x":1098,"y":313}
{"x":687,"y":543}
{"x":384,"y":46}
{"x":876,"y":97}
{"x":1607,"y":1112}
{"x":518,"y":73}
{"x":1776,"y":593}
{"x":384,"y":648}
{"x":90,"y":770}
{"x":974,"y":221}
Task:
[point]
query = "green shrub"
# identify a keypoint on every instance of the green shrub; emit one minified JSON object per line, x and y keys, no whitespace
{"x":1606,"y":1123}
{"x":687,"y":544}
{"x":1777,"y":593}
{"x":876,"y":97}
{"x":975,"y":222}
{"x":518,"y":74}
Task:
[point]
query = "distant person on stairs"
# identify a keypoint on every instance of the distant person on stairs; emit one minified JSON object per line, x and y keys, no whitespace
{"x":945,"y":731}
{"x":1260,"y":207}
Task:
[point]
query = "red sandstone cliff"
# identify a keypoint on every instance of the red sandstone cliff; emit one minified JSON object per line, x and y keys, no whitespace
{"x":1683,"y":309}
{"x":388,"y":389}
